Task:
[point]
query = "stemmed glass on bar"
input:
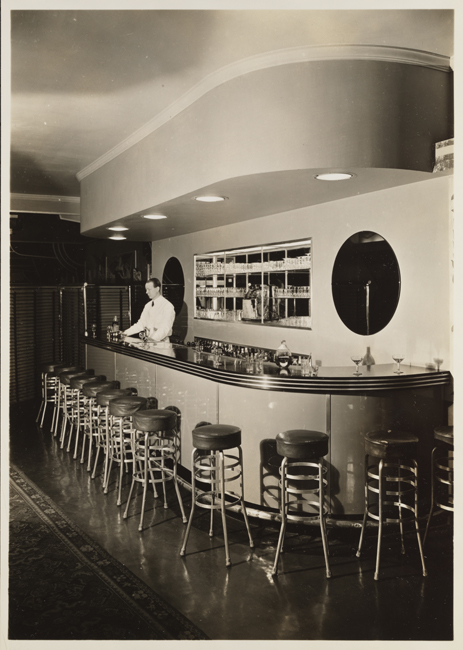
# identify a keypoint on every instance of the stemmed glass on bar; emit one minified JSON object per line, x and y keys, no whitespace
{"x":357,"y":358}
{"x":398,"y":358}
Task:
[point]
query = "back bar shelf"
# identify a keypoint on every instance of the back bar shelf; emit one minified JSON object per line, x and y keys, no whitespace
{"x":265,"y":285}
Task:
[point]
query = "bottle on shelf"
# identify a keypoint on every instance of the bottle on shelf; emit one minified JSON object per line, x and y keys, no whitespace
{"x":283,"y":356}
{"x":368,"y":359}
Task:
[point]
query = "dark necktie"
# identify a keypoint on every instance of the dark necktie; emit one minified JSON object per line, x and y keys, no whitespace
{"x":152,"y":303}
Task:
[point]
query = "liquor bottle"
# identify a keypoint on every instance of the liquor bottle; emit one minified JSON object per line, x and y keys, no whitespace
{"x":283,"y":356}
{"x":115,"y":329}
{"x":368,"y":359}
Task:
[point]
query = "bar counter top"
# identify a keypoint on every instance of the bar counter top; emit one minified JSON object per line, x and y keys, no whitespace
{"x":232,"y":371}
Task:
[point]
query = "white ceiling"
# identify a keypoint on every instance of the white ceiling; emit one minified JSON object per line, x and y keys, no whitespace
{"x":83,"y":81}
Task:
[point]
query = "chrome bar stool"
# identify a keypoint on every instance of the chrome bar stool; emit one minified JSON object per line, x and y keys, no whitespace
{"x":48,"y":387}
{"x":391,"y":473}
{"x":101,"y":428}
{"x":154,"y":453}
{"x":442,"y":467}
{"x":59,"y":397}
{"x":89,"y":391}
{"x":66,"y":397}
{"x":303,"y":451}
{"x":121,"y":411}
{"x":217,"y":469}
{"x":78,"y":407}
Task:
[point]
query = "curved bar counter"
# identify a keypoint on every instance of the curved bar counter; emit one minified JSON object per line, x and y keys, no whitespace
{"x":212,"y":388}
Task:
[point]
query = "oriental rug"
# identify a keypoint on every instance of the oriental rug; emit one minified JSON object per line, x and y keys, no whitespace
{"x":64,"y":586}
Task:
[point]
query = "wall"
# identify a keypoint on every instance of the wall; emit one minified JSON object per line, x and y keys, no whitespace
{"x":414,"y":219}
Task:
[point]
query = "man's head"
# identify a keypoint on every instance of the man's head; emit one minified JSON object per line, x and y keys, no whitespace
{"x":153,"y":288}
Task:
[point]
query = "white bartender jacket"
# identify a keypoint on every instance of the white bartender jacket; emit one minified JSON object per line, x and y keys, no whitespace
{"x":158,"y":317}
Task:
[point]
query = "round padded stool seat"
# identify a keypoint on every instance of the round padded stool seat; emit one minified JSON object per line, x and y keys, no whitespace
{"x":59,"y":369}
{"x":125,"y":406}
{"x":302,"y":444}
{"x":214,"y":437}
{"x":91,"y":389}
{"x":444,"y":434}
{"x":105,"y":396}
{"x":50,"y":366}
{"x":80,"y":380}
{"x":390,"y":444}
{"x":65,"y":377}
{"x":154,"y":420}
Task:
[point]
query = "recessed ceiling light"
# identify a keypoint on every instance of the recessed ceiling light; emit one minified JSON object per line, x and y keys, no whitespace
{"x":154,"y":216}
{"x":334,"y":176}
{"x":117,"y":237}
{"x":117,"y":228}
{"x":210,"y":199}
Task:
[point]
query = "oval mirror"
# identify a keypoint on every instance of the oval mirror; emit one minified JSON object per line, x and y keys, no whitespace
{"x":366,"y":283}
{"x":173,"y":283}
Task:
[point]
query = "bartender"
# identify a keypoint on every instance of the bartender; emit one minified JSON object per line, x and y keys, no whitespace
{"x":158,"y":315}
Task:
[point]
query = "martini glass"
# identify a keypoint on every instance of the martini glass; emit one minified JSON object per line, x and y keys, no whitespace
{"x":357,"y":358}
{"x":398,"y":358}
{"x":438,"y":362}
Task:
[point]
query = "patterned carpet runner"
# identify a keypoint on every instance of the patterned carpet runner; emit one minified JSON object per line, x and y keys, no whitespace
{"x":64,"y":586}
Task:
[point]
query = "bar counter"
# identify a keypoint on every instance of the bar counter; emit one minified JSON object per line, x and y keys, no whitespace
{"x":212,"y":388}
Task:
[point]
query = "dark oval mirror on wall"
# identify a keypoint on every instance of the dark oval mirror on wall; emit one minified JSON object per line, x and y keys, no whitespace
{"x":366,"y":283}
{"x":173,"y":283}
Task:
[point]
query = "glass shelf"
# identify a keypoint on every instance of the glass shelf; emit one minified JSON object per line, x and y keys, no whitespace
{"x":265,"y":285}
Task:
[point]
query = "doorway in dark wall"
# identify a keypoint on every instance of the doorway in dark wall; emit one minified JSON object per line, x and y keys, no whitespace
{"x":173,"y":289}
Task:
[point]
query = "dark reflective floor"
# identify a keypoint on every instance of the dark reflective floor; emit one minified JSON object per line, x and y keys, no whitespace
{"x":244,"y":601}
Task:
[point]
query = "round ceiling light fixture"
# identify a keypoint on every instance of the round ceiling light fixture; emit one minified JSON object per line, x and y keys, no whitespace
{"x":117,"y":228}
{"x":209,"y":198}
{"x":117,"y":237}
{"x":334,"y":176}
{"x":154,"y":216}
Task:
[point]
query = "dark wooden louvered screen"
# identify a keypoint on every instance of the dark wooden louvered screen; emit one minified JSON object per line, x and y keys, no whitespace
{"x":48,"y":323}
{"x":35,"y":337}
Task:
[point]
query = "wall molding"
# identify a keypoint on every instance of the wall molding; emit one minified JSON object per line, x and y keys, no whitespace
{"x":384,"y":53}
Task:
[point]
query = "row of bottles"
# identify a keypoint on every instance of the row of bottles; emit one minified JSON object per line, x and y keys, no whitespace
{"x":113,"y":331}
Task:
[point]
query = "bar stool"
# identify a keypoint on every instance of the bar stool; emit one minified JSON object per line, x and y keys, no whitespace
{"x":59,"y":396}
{"x":66,"y":396}
{"x":89,"y":391}
{"x":300,"y":449}
{"x":210,"y":465}
{"x":78,"y":405}
{"x":154,"y":451}
{"x":101,"y":429}
{"x":393,"y":476}
{"x":121,"y":410}
{"x":442,"y":464}
{"x":48,"y":387}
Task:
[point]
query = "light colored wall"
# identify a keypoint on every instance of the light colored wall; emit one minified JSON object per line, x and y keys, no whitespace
{"x":414,"y":219}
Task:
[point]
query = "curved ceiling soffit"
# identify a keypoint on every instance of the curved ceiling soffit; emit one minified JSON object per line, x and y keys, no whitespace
{"x":384,"y":53}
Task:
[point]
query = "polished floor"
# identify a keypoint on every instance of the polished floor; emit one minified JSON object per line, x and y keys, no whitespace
{"x":244,"y":601}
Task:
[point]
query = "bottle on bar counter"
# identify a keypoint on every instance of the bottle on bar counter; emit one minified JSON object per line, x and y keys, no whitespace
{"x":368,"y":359}
{"x":283,"y":356}
{"x":115,"y":329}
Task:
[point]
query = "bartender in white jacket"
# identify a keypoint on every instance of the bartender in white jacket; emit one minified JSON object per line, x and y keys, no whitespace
{"x":157,"y":316}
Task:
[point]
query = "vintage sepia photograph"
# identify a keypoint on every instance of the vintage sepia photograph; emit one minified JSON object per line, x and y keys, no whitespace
{"x":229,"y":323}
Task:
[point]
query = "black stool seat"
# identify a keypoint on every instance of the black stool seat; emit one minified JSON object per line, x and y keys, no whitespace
{"x":80,"y":380}
{"x":302,"y":444}
{"x":91,"y":389}
{"x":105,"y":396}
{"x":155,"y":420}
{"x":50,"y":366}
{"x":444,"y":434}
{"x":65,"y":377}
{"x":59,"y":369}
{"x":125,"y":406}
{"x":213,"y":437}
{"x":390,"y":444}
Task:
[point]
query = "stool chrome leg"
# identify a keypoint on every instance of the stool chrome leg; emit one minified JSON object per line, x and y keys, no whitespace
{"x":433,"y":455}
{"x":425,"y":573}
{"x":365,"y":511}
{"x":380,"y":515}
{"x":321,"y":492}
{"x":193,"y":503}
{"x":243,"y":507}
{"x":283,"y":507}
